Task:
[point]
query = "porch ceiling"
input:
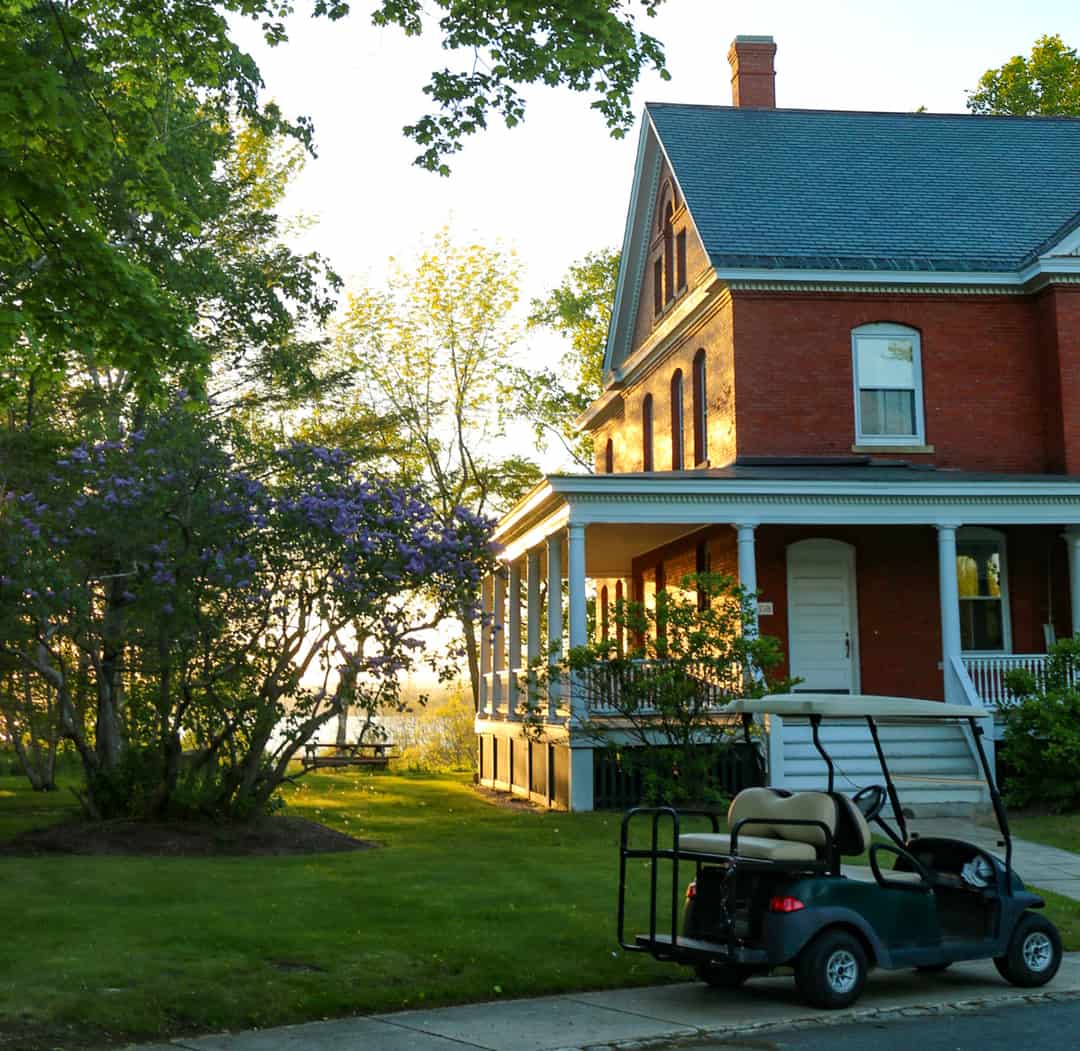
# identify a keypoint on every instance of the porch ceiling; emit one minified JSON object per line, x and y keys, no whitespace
{"x":611,"y":547}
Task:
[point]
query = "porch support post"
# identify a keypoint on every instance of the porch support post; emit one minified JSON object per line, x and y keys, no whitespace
{"x":532,"y":619}
{"x":1072,"y":544}
{"x":748,"y":569}
{"x":949,"y":592}
{"x":575,"y":546}
{"x":498,"y":641}
{"x":554,"y":622}
{"x":485,"y":643}
{"x":513,"y":629}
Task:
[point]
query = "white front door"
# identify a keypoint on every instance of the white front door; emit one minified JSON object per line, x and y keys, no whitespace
{"x":823,"y":648}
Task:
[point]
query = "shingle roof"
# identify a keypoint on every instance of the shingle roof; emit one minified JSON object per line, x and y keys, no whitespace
{"x":885,"y":191}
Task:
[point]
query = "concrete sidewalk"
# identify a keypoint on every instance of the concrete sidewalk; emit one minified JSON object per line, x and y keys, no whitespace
{"x":636,"y":1017}
{"x":1049,"y":868}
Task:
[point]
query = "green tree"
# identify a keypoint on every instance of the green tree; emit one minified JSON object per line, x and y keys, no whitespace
{"x":579,"y":309}
{"x":1045,"y":84}
{"x":431,"y":351}
{"x":589,"y":46}
{"x":138,"y":241}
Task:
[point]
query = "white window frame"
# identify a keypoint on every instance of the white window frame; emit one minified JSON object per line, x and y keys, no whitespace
{"x":981,"y":533}
{"x":886,"y":330}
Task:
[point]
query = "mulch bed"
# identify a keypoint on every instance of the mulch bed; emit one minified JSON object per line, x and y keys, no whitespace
{"x":264,"y":836}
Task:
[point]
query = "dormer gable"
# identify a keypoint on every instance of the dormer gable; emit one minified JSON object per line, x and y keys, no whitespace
{"x":662,"y":261}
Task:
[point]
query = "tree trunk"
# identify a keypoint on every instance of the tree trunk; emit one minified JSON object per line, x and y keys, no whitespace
{"x":110,"y":693}
{"x":472,"y":652}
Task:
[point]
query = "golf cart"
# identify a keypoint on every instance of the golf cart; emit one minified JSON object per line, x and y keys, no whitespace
{"x":772,"y":890}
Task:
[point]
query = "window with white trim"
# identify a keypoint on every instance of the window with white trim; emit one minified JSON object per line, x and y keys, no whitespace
{"x":984,"y":591}
{"x":887,"y":363}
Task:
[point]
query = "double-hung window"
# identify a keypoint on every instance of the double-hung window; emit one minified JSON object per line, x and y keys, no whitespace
{"x":887,"y":363}
{"x":984,"y":591}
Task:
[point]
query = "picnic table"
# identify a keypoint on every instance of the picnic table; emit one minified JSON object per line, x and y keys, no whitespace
{"x":373,"y":754}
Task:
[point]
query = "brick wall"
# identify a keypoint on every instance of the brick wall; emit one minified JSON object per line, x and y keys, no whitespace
{"x":982,"y":375}
{"x":896,"y":570}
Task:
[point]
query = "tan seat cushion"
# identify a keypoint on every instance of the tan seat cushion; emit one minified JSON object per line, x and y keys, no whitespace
{"x":762,"y":804}
{"x":865,"y":874}
{"x":749,"y":846}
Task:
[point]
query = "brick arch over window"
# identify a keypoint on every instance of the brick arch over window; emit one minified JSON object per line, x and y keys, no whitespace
{"x":701,"y":410}
{"x":647,"y":433}
{"x":677,"y":458}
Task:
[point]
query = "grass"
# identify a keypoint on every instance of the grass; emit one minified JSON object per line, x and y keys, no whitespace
{"x":464,"y":900}
{"x":1055,"y":830}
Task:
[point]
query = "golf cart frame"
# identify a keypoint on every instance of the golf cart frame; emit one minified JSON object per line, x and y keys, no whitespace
{"x":941,"y":901}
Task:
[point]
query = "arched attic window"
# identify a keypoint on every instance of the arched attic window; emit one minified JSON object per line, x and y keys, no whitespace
{"x":669,"y":266}
{"x":647,"y":433}
{"x":677,"y":421}
{"x":701,"y":411}
{"x":609,"y":456}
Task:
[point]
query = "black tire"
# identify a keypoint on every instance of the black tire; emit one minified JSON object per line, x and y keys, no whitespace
{"x":1034,"y":953}
{"x":722,"y":975}
{"x":933,"y":968}
{"x":831,"y":971}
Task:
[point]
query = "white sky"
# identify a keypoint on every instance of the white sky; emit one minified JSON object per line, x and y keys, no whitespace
{"x":557,"y":186}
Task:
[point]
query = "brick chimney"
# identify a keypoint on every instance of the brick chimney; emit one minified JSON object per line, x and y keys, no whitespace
{"x":753,"y":79}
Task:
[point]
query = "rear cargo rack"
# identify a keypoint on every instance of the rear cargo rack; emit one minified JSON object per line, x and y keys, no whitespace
{"x":668,"y":945}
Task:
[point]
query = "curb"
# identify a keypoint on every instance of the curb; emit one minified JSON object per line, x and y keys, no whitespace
{"x":835,"y":1018}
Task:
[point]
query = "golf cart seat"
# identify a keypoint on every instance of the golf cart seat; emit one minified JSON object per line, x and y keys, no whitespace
{"x":769,"y":841}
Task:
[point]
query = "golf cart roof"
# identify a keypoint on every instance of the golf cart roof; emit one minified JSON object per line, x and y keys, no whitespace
{"x":850,"y":706}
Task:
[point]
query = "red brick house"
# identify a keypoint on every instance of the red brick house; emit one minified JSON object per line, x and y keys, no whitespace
{"x":844,"y":364}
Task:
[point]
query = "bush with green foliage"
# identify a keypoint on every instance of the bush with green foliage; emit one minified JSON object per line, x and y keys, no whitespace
{"x":1042,"y":731}
{"x":650,"y":689}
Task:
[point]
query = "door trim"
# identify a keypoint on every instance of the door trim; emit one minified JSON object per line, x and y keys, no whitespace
{"x":846,"y":552}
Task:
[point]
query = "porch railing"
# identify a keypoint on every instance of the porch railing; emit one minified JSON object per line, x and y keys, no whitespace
{"x":988,"y":673}
{"x":608,"y":689}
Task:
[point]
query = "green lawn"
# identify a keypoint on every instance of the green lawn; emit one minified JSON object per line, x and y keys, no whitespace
{"x":1057,"y":830}
{"x":464,"y":900}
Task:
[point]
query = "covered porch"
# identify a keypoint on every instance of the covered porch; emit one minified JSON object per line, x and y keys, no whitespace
{"x":876,"y":580}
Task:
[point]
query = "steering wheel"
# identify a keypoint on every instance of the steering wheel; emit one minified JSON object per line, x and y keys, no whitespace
{"x":870,"y":800}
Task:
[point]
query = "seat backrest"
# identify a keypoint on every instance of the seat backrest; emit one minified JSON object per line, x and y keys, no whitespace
{"x":852,"y":831}
{"x":763,"y":804}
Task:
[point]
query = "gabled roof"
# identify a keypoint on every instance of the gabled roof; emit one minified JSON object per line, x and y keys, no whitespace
{"x":872,"y":191}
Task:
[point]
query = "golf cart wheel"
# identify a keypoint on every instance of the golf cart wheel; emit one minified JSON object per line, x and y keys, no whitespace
{"x":831,"y":971}
{"x":722,"y":975}
{"x":1034,"y":954}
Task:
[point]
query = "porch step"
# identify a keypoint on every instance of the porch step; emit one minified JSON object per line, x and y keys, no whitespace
{"x":945,"y":777}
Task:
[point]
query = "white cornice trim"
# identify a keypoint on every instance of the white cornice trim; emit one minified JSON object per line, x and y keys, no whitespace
{"x":1058,"y":269}
{"x":607,"y":488}
{"x":614,"y":499}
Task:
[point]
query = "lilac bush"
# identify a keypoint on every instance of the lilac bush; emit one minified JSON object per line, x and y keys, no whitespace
{"x":223,"y":600}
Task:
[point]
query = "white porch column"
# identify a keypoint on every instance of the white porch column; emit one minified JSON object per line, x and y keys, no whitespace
{"x":949,"y":594}
{"x":513,"y":639}
{"x":575,"y":572}
{"x":554,"y":621}
{"x":498,"y":641}
{"x":748,"y":568}
{"x":532,"y":617}
{"x":1072,"y":544}
{"x":485,"y":643}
